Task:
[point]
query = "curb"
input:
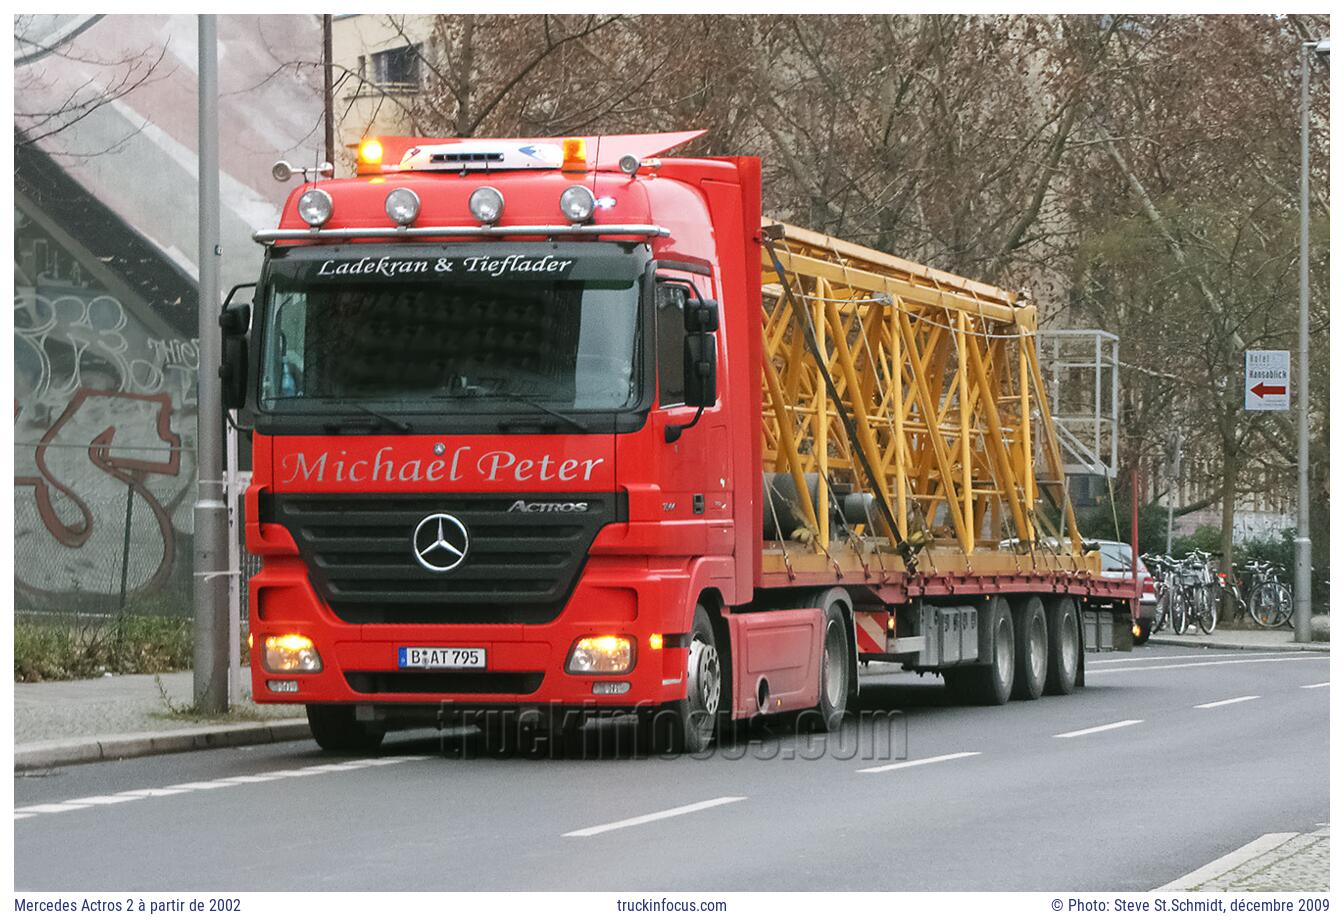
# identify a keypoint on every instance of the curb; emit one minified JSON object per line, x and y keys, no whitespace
{"x":39,"y":755}
{"x":1227,"y":863}
{"x":1247,"y":645}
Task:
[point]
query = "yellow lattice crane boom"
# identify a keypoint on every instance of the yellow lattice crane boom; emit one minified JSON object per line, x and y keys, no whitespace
{"x":909,"y":404}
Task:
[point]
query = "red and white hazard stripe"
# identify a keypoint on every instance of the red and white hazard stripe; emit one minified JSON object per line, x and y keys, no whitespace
{"x":871,"y":630}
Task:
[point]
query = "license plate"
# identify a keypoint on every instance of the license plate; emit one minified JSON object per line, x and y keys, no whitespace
{"x":441,"y":658}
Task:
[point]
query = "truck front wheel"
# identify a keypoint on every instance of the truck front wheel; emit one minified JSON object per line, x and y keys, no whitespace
{"x":336,"y":729}
{"x":687,"y":725}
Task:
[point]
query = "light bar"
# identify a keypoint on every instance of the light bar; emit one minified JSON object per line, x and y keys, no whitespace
{"x":353,"y":233}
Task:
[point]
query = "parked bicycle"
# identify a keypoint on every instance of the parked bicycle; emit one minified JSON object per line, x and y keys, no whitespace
{"x":1167,"y":591}
{"x":1269,"y":600}
{"x":1199,"y":586}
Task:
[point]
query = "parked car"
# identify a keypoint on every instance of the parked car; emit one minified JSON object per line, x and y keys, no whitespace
{"x":1116,"y":562}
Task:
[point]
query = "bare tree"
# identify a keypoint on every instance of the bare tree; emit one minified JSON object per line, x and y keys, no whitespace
{"x":38,"y":51}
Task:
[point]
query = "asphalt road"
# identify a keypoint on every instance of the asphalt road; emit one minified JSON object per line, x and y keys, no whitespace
{"x":1036,"y":801}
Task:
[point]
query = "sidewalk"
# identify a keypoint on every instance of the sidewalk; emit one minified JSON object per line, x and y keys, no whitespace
{"x":126,"y":715}
{"x":1274,"y":862}
{"x":1253,"y":639}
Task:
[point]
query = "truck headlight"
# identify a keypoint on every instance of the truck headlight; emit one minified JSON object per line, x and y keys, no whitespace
{"x":315,"y":207}
{"x":601,"y":655}
{"x":291,"y":653}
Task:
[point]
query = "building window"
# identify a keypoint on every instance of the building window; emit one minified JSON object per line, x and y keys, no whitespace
{"x":397,"y":67}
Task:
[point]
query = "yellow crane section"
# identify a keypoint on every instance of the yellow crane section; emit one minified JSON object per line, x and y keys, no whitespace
{"x":921,"y":392}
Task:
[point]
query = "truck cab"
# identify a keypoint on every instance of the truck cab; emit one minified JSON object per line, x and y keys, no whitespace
{"x":498,"y":457}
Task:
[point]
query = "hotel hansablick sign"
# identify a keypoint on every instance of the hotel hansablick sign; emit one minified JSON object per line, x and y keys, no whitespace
{"x":1267,"y":381}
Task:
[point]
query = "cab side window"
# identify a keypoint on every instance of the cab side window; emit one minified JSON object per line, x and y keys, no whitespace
{"x":670,"y":330}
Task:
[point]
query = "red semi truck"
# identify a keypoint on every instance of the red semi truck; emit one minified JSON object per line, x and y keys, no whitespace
{"x":558,"y":425}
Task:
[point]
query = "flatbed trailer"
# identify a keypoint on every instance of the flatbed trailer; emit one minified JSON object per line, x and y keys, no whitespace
{"x":658,"y":455}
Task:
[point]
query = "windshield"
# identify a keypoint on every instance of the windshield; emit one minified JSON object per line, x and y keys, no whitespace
{"x":430,"y":346}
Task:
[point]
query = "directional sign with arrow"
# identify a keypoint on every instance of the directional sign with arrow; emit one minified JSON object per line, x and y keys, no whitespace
{"x":1267,"y":381}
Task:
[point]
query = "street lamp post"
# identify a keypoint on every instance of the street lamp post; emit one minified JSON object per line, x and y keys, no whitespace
{"x":1302,"y":545}
{"x":209,"y":514}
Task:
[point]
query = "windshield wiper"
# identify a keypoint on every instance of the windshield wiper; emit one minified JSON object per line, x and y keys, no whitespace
{"x":373,"y":415}
{"x":529,"y":401}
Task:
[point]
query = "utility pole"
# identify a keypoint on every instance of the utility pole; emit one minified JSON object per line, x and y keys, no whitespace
{"x":328,"y":115}
{"x":1302,"y":545}
{"x":210,"y":516}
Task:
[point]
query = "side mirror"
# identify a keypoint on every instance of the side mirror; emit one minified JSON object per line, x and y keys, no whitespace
{"x":233,"y":372}
{"x":235,"y":319}
{"x":702,"y":315}
{"x":701,"y":366}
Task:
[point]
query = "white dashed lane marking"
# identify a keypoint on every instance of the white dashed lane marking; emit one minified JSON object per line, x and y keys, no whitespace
{"x":1216,"y":703}
{"x":1099,"y":728}
{"x":1314,"y":686}
{"x":655,"y":816}
{"x":918,"y":763}
{"x":133,"y":795}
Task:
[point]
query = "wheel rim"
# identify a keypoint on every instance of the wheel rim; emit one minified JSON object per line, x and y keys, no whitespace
{"x":1037,"y":646}
{"x":833,"y":665}
{"x":1068,"y":645}
{"x":1003,"y":653}
{"x":706,"y":681}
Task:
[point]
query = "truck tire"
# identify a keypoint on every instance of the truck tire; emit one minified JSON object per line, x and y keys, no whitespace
{"x":1030,"y":648}
{"x":1061,"y":620}
{"x":687,"y":725}
{"x":336,"y":729}
{"x":833,"y":674}
{"x":991,"y":683}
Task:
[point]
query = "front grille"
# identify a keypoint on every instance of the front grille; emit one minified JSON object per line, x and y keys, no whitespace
{"x":520,"y":566}
{"x":520,"y":683}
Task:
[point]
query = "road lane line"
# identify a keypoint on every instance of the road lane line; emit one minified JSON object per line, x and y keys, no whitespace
{"x":917,"y":763}
{"x":1099,"y":728}
{"x":100,"y":800}
{"x":655,"y":816}
{"x":133,"y":795}
{"x":1257,"y":847}
{"x":54,"y":808}
{"x":1314,"y":686}
{"x":1292,"y":656}
{"x":1134,"y":656}
{"x":1217,"y":703}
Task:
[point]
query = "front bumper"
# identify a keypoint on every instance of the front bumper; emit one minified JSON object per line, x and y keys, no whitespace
{"x":525,"y":664}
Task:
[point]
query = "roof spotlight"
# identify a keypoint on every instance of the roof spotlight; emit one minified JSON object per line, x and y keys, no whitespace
{"x":402,"y":205}
{"x":577,"y":203}
{"x":486,"y":204}
{"x":315,"y":207}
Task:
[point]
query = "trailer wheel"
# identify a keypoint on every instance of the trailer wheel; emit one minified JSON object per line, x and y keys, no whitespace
{"x":1062,"y":625}
{"x":1031,"y":648}
{"x":687,"y":725}
{"x":335,"y":729}
{"x":829,"y":713}
{"x":991,"y":683}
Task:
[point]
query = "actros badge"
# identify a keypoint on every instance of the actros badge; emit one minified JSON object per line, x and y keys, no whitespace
{"x":440,"y":543}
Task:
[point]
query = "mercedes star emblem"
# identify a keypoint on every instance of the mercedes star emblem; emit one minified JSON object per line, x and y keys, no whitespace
{"x":439,"y":543}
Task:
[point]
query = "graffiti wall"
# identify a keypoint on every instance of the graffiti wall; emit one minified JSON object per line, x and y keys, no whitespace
{"x":104,"y":425}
